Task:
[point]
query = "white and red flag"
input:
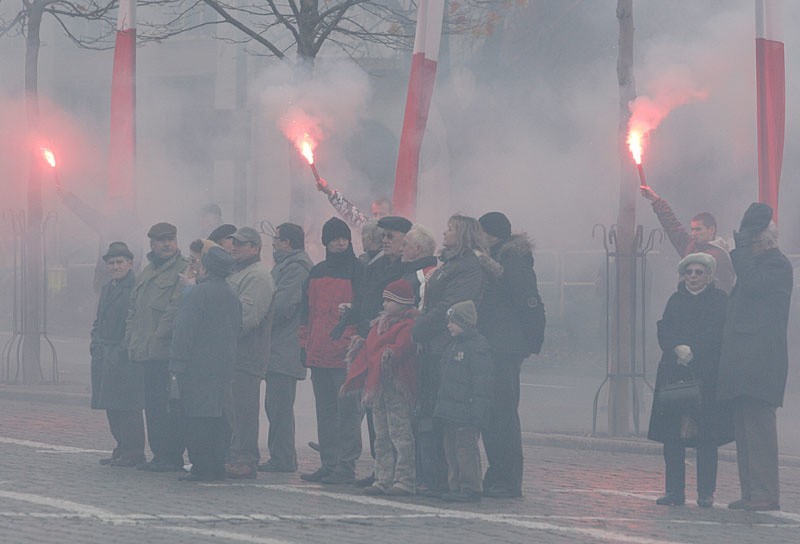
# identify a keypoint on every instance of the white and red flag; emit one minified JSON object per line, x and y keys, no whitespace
{"x":418,"y":102}
{"x":122,"y":149}
{"x":771,"y":97}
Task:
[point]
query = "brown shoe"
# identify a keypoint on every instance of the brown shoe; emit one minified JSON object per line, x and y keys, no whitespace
{"x":762,"y":506}
{"x":241,"y":471}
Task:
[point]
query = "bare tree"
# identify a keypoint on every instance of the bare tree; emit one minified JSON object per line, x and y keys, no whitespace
{"x":27,"y":22}
{"x":276,"y":27}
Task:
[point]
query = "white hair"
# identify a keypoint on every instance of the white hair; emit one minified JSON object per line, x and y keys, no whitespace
{"x":422,"y":237}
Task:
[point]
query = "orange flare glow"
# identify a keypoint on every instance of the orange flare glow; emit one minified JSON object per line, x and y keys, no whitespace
{"x":306,"y":147}
{"x":635,"y":145}
{"x":49,"y":156}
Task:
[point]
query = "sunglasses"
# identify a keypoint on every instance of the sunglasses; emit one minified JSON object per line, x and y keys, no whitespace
{"x":694,"y":272}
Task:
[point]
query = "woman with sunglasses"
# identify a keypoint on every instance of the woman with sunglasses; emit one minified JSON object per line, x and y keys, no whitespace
{"x":690,"y":336}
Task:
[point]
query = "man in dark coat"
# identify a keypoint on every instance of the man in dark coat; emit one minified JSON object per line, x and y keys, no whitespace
{"x":690,"y":335}
{"x":509,"y":293}
{"x":755,"y":359}
{"x":117,"y":384}
{"x":202,"y":356}
{"x":284,"y":367}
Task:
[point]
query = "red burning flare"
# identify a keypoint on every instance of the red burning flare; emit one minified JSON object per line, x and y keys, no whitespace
{"x":305,"y":144}
{"x":635,"y":145}
{"x":49,"y":156}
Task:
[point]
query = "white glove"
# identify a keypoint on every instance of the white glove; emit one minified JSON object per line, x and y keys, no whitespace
{"x":684,"y":354}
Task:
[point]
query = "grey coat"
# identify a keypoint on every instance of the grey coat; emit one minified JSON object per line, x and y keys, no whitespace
{"x":116,"y":382}
{"x":755,"y":359}
{"x":203,"y":346}
{"x":289,"y":274}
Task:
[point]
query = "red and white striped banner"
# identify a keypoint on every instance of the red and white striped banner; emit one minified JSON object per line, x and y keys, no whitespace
{"x":122,"y":149}
{"x":418,"y":101}
{"x":771,"y":96}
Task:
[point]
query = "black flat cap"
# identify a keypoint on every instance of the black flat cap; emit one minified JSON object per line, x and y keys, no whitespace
{"x":118,"y":249}
{"x":162,"y":230}
{"x":756,"y":218}
{"x":222,"y":232}
{"x":395,"y":222}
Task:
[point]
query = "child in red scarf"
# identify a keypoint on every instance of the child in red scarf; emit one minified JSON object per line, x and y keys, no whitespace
{"x":382,"y":371}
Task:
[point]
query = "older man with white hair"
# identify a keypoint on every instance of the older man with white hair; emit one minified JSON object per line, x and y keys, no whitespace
{"x":754,"y":361}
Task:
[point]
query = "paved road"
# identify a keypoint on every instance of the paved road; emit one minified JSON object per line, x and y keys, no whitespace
{"x":53,"y":490}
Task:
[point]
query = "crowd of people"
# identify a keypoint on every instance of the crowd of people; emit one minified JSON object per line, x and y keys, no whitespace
{"x":426,"y":347}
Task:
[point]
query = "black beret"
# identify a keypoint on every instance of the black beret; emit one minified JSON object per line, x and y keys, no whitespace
{"x":395,"y":222}
{"x":222,"y":232}
{"x":162,"y":230}
{"x":756,"y":218}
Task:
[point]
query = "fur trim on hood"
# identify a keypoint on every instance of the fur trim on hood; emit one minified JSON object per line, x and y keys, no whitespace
{"x":518,"y":244}
{"x":721,"y":243}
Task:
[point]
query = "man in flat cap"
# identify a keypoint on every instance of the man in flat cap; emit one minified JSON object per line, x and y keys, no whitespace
{"x":754,"y":361}
{"x":368,"y":301}
{"x":153,"y":306}
{"x":254,"y":286}
{"x":223,"y":236}
{"x":117,"y":385}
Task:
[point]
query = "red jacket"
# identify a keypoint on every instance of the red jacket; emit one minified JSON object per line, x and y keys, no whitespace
{"x":327,"y":287}
{"x":388,"y":356}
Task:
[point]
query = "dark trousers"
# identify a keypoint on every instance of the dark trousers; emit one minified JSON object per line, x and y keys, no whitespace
{"x":756,"y":433}
{"x":431,"y":462}
{"x":279,"y":405}
{"x":675,"y":461}
{"x":242,"y":414}
{"x":502,"y":439}
{"x":165,"y":432}
{"x":207,"y":442}
{"x":338,"y":421}
{"x":127,"y":428}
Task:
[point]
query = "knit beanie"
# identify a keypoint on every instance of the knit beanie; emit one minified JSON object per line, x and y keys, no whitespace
{"x":496,"y":224}
{"x":217,"y":262}
{"x":463,"y":314}
{"x":335,"y":228}
{"x":399,"y":291}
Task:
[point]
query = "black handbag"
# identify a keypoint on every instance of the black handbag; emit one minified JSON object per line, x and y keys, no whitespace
{"x":678,"y":398}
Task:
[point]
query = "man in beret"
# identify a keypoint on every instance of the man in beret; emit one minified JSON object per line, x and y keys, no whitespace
{"x":703,"y":238}
{"x":117,"y":385}
{"x":253,"y":285}
{"x":754,"y":361}
{"x":223,"y":236}
{"x":153,"y":306}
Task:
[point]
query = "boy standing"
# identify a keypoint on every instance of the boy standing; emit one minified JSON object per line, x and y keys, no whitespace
{"x":464,"y":401}
{"x":383,"y":372}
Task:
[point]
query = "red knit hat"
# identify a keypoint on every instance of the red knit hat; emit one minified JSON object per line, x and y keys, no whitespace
{"x":399,"y":291}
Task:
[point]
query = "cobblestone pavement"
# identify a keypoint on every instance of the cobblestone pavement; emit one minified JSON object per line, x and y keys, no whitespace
{"x":52,"y":489}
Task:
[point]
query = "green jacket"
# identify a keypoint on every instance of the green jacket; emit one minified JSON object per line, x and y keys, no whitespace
{"x":253,"y":285}
{"x":153,"y":306}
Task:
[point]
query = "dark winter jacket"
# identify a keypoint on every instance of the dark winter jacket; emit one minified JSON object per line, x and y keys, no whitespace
{"x":509,"y":291}
{"x":116,"y":382}
{"x":329,"y":284}
{"x":695,"y":321}
{"x":203,"y":349}
{"x":154,"y":303}
{"x":724,"y":277}
{"x":755,"y":360}
{"x":371,"y":281}
{"x":458,"y":279}
{"x":289,"y":274}
{"x":467,"y":384}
